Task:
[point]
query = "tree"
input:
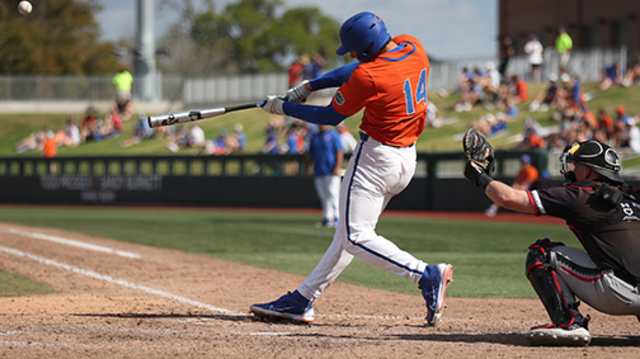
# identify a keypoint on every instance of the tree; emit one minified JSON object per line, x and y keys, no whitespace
{"x":59,"y":38}
{"x":249,"y":37}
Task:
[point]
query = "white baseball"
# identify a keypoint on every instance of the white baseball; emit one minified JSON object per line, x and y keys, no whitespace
{"x":25,"y":7}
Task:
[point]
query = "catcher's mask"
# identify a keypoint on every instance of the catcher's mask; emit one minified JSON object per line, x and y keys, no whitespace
{"x":599,"y":157}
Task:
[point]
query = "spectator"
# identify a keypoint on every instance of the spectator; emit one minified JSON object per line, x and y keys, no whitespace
{"x":271,"y":146}
{"x":122,"y":82}
{"x":532,"y":138}
{"x":241,"y":137}
{"x":605,"y":123}
{"x":295,"y":139}
{"x":525,"y":180}
{"x":33,"y":142}
{"x":295,"y":73}
{"x":564,"y":44}
{"x":72,"y":133}
{"x":519,"y":89}
{"x":219,"y":145}
{"x":348,"y":141}
{"x":534,"y":49}
{"x":633,"y":74}
{"x":49,"y":148}
{"x":89,"y":128}
{"x":552,"y":97}
{"x":307,"y":67}
{"x":629,"y":137}
{"x":177,"y":139}
{"x":506,"y":52}
{"x":196,"y":136}
{"x":325,"y":150}
{"x":611,"y":76}
{"x":141,"y":131}
{"x":318,"y":64}
{"x":491,"y":83}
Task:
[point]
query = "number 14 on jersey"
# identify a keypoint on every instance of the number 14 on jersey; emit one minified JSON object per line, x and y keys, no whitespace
{"x":420,"y":95}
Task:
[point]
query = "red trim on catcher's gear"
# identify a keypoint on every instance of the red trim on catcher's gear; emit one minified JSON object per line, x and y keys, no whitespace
{"x":541,"y":248}
{"x":573,"y":318}
{"x":533,"y":266}
{"x":544,"y":326}
{"x":533,"y":203}
{"x":576,"y":232}
{"x":578,"y":276}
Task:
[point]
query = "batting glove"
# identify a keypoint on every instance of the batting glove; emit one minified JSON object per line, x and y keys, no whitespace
{"x":298,"y":93}
{"x":273,"y":105}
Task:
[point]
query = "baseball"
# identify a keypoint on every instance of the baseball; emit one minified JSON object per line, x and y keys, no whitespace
{"x":25,"y":7}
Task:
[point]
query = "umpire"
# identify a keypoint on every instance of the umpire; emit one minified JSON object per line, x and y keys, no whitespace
{"x":603,"y":212}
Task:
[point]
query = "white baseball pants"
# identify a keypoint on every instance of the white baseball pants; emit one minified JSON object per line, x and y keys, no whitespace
{"x":375,"y":174}
{"x":328,"y":188}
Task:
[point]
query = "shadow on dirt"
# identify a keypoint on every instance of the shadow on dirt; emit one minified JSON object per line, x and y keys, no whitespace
{"x":232,"y":318}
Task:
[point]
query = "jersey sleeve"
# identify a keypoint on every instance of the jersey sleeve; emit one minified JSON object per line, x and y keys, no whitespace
{"x":354,"y":94}
{"x":556,"y":201}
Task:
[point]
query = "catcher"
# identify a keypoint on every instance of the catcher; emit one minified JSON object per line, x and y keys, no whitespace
{"x":601,"y":210}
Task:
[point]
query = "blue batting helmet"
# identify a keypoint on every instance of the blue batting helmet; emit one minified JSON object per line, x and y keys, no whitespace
{"x":365,"y":33}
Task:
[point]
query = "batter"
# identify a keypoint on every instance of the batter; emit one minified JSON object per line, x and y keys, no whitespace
{"x":390,"y":82}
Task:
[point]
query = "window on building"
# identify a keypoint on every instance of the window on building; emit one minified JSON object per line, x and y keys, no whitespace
{"x":591,"y":36}
{"x":620,"y":33}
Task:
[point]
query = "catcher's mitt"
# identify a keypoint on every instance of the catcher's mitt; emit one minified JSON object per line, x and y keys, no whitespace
{"x":478,"y":150}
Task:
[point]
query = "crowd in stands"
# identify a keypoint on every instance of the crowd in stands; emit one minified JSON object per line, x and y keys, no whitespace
{"x":92,"y":127}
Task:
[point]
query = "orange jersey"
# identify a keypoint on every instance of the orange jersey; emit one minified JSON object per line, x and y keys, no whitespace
{"x":393,"y":90}
{"x":527,"y":175}
{"x":50,"y":147}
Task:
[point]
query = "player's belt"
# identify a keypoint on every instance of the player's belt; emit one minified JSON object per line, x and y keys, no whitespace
{"x":364,"y":137}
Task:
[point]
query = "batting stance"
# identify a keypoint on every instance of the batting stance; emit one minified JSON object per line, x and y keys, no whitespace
{"x":390,"y":82}
{"x":603,"y":212}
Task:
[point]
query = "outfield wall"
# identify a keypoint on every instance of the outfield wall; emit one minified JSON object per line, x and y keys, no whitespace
{"x":259,"y":180}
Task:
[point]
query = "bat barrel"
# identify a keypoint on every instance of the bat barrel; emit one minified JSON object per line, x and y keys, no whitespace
{"x":174,"y":118}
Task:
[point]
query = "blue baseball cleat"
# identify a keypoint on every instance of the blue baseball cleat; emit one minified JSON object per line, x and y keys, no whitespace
{"x":291,"y":306}
{"x":434,"y":283}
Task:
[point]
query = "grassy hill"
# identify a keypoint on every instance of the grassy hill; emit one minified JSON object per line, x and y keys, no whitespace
{"x":17,"y":127}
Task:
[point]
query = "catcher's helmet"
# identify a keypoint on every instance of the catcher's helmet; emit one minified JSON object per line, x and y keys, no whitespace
{"x":365,"y":33}
{"x":598,"y":156}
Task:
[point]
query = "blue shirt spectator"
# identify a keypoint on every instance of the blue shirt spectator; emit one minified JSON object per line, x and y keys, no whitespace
{"x":323,"y":148}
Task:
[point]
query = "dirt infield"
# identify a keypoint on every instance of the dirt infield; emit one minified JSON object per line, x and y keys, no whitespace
{"x":123,"y":300}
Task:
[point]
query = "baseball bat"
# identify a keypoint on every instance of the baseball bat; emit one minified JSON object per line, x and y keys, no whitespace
{"x":173,"y":118}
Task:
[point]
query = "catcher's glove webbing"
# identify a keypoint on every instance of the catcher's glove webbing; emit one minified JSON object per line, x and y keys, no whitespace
{"x":479,"y":150}
{"x":481,"y":164}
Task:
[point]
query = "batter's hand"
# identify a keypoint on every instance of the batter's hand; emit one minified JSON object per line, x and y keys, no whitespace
{"x":298,"y":94}
{"x":479,"y":151}
{"x":273,"y":105}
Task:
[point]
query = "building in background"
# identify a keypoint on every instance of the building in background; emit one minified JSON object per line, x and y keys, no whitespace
{"x":590,"y":23}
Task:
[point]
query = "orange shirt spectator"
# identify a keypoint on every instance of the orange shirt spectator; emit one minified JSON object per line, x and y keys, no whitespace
{"x":605,"y":122}
{"x":49,"y":148}
{"x":527,"y":175}
{"x":522,"y":90}
{"x":590,"y":117}
{"x":535,"y":141}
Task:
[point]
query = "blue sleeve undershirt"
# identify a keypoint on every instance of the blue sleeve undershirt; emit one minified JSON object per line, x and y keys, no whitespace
{"x":334,"y":78}
{"x":318,"y":114}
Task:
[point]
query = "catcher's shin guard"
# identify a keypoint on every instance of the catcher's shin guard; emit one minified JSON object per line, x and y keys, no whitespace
{"x":561,"y":309}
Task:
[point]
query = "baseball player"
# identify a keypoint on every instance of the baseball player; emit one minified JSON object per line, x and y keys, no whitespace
{"x":390,"y":82}
{"x":325,"y":149}
{"x":604,"y":214}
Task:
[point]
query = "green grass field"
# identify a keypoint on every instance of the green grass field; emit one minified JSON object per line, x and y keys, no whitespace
{"x":488,"y":256}
{"x":17,"y":127}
